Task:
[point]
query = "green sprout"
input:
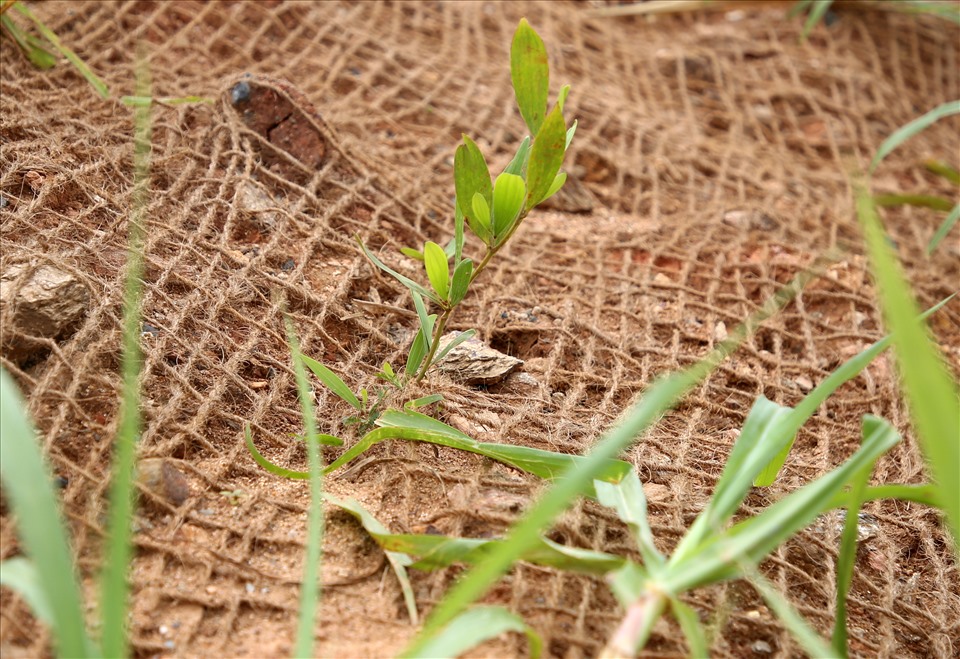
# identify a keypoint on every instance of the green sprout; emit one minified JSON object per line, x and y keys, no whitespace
{"x":492,"y":209}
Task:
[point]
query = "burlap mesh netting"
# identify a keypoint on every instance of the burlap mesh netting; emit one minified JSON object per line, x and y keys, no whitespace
{"x":711,"y":161}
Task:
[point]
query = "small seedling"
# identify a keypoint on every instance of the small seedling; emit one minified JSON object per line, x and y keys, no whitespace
{"x":492,"y":209}
{"x":233,"y":496}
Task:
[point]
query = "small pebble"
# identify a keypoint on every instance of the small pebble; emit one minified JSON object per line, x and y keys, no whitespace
{"x":250,"y":588}
{"x":761,"y":647}
{"x":164,"y":630}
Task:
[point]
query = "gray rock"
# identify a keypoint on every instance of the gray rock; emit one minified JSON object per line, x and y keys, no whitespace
{"x":474,"y":362}
{"x":39,"y":301}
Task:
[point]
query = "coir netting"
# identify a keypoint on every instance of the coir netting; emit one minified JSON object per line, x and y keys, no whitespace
{"x":710,"y":167}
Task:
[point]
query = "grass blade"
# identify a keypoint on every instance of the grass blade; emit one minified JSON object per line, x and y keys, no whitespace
{"x":453,"y":343}
{"x":310,"y":590}
{"x":943,"y":169}
{"x":630,"y":503}
{"x":114,"y":590}
{"x":847,"y":558}
{"x":476,"y":626}
{"x":406,"y":281}
{"x":907,"y":131}
{"x":691,"y":627}
{"x":817,"y":11}
{"x":930,"y":392}
{"x":662,"y":395}
{"x":99,"y":85}
{"x":32,"y":47}
{"x":944,"y":229}
{"x":918,"y":200}
{"x":809,"y":639}
{"x":398,"y":560}
{"x":751,"y":540}
{"x":438,"y":551}
{"x":29,"y":485}
{"x":332,"y":381}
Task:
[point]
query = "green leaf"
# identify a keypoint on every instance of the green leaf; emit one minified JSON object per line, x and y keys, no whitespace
{"x":481,"y":216}
{"x":310,"y":591}
{"x":474,"y":627}
{"x":847,"y":558}
{"x":723,"y":555}
{"x":806,"y":636}
{"x":32,"y":47}
{"x":519,"y":163}
{"x":28,"y":485}
{"x":398,"y":561}
{"x":943,"y":169}
{"x":418,"y":351}
{"x":508,"y":195}
{"x":919,"y":200}
{"x":406,"y":281}
{"x":563,"y":96}
{"x":948,"y":222}
{"x":691,"y":627}
{"x":819,"y":8}
{"x":930,"y":391}
{"x":332,"y":381}
{"x":79,"y":64}
{"x":458,"y":236}
{"x":471,"y":176}
{"x":457,"y":340}
{"x":530,"y":73}
{"x":423,"y":401}
{"x":438,"y":269}
{"x":426,"y":323}
{"x":630,"y":503}
{"x":907,"y":131}
{"x":570,"y":133}
{"x":19,"y":575}
{"x":437,"y":551}
{"x":558,"y":182}
{"x":418,"y":427}
{"x":546,"y":156}
{"x":412,"y":253}
{"x":461,"y":281}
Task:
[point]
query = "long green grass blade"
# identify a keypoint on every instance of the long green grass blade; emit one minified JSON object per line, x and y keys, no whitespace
{"x":923,"y":494}
{"x":310,"y":590}
{"x":812,"y":643}
{"x":918,"y":200}
{"x":847,"y":558}
{"x":398,"y":560}
{"x":763,"y":437}
{"x":28,"y":484}
{"x":907,"y":131}
{"x":948,"y":222}
{"x":19,"y":575}
{"x":720,"y":556}
{"x":941,"y":168}
{"x":930,"y":391}
{"x":476,"y":626}
{"x":410,"y":425}
{"x":438,"y":551}
{"x":114,"y":590}
{"x":406,"y":281}
{"x":99,"y":85}
{"x":691,"y":628}
{"x":32,"y":47}
{"x":817,"y":12}
{"x":661,"y":395}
